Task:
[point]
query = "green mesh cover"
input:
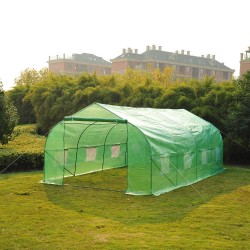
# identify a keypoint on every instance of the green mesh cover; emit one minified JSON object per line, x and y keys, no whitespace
{"x":163,"y":148}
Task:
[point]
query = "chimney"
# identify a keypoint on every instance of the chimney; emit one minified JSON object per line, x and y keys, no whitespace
{"x":249,"y":48}
{"x":123,"y":51}
{"x":63,"y":56}
{"x":129,"y":50}
{"x":136,"y":51}
{"x":182,"y":52}
{"x":202,"y":56}
{"x":176,"y":51}
{"x":208,"y":56}
{"x":188,"y":53}
{"x":153,"y":47}
{"x":241,"y":56}
{"x":148,"y":48}
{"x":159,"y":47}
{"x":49,"y":58}
{"x":213,"y":57}
{"x":57,"y":57}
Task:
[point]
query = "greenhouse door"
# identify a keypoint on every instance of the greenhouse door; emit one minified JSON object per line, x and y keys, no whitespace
{"x":94,"y":145}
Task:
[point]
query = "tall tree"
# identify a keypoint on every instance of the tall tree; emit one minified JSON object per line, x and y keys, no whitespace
{"x":239,"y":120}
{"x":23,"y":83}
{"x":31,"y":76}
{"x":8,"y":117}
{"x":24,"y":107}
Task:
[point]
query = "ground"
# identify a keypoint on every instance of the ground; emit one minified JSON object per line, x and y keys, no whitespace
{"x":93,"y":212}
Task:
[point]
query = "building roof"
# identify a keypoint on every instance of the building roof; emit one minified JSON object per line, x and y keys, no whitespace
{"x":90,"y":58}
{"x":172,"y":58}
{"x":82,"y":58}
{"x":129,"y":56}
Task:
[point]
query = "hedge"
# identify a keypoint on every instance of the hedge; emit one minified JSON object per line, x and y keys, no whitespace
{"x":25,"y":152}
{"x":15,"y":162}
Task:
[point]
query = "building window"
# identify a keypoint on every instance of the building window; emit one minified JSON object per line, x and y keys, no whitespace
{"x":182,"y":70}
{"x":208,"y":72}
{"x":195,"y":73}
{"x":225,"y":75}
{"x":115,"y":151}
{"x":65,"y":155}
{"x":165,"y":166}
{"x":204,"y":157}
{"x":161,"y":66}
{"x":138,"y":66}
{"x":90,"y":154}
{"x":187,"y":161}
{"x":68,"y":66}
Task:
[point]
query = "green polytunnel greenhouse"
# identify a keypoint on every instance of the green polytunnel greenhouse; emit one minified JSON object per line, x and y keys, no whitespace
{"x":163,"y":149}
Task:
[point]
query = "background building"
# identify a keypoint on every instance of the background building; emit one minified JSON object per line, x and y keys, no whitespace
{"x":185,"y":65}
{"x":79,"y":63}
{"x":245,"y":61}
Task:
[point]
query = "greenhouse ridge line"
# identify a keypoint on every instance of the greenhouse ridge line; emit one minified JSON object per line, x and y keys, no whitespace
{"x":74,"y":118}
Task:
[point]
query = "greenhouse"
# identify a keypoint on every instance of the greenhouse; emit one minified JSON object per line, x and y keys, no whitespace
{"x":163,"y":149}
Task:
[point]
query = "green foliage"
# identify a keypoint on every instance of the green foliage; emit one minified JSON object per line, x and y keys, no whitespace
{"x":51,"y":97}
{"x":27,"y":78}
{"x":24,"y":108}
{"x":8,"y":117}
{"x":239,"y":121}
{"x":21,"y":161}
{"x":176,"y":97}
{"x":24,"y":152}
{"x":31,"y":76}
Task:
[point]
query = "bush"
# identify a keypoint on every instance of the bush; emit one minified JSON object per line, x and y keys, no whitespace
{"x":24,"y":152}
{"x":21,"y":161}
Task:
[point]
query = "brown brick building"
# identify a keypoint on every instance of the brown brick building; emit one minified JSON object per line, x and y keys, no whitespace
{"x":79,"y":63}
{"x":185,"y":65}
{"x":245,"y":62}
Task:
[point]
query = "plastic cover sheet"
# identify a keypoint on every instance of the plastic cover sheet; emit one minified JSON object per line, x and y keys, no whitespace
{"x":179,"y":149}
{"x":163,"y":148}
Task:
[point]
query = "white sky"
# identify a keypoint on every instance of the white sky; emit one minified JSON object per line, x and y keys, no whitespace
{"x":33,"y":30}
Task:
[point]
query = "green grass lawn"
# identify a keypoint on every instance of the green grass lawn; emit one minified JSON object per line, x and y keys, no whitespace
{"x":87,"y":214}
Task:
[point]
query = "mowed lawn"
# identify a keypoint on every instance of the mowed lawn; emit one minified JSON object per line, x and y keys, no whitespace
{"x":88,"y":214}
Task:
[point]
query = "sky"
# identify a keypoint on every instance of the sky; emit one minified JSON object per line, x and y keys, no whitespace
{"x":33,"y":30}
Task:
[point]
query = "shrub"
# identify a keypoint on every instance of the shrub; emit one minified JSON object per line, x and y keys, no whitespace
{"x":15,"y":161}
{"x":24,"y":152}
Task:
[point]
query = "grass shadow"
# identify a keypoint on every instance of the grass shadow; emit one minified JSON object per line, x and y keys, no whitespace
{"x":91,"y":195}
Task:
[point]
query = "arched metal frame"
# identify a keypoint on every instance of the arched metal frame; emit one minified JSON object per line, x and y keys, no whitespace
{"x":105,"y":144}
{"x":95,"y":120}
{"x":77,"y":147}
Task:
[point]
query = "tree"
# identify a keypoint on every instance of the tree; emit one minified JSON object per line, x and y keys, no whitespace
{"x":239,"y":120}
{"x":8,"y":117}
{"x":23,"y":83}
{"x":24,"y":108}
{"x":180,"y":96}
{"x":31,"y":76}
{"x":52,"y":99}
